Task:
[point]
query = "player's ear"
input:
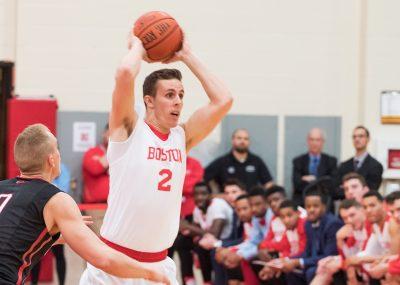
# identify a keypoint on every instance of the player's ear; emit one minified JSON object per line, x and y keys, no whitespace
{"x":149,"y":101}
{"x":51,"y":160}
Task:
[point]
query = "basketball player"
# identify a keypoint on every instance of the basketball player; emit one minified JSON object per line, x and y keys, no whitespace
{"x":33,"y":213}
{"x":147,"y":159}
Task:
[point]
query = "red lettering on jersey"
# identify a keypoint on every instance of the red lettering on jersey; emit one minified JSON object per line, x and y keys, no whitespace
{"x":151,"y":152}
{"x":164,"y":154}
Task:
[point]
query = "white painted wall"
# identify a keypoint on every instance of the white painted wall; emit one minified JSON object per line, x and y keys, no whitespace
{"x":278,"y":57}
{"x":8,"y":25}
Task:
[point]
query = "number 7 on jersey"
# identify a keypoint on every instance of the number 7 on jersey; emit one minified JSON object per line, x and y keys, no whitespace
{"x":4,"y":198}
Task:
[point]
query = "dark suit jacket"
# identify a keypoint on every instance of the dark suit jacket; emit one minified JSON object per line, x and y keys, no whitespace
{"x":371,"y":170}
{"x":323,"y":246}
{"x":236,"y":235}
{"x":327,"y":167}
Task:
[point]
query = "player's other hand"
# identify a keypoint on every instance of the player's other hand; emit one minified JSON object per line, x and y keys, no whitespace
{"x":135,"y":43}
{"x":158,"y":278}
{"x":87,"y":220}
{"x":182,"y":54}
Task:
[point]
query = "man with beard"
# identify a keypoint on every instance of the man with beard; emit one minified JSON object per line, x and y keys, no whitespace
{"x":239,"y":163}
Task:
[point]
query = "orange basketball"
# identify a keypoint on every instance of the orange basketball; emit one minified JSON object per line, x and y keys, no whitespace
{"x":160,"y":34}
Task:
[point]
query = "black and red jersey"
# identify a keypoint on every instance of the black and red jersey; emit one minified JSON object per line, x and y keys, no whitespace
{"x":24,"y":238}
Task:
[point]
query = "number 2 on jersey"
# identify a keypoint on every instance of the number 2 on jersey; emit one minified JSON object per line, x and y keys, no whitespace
{"x":164,"y":184}
{"x":4,"y":198}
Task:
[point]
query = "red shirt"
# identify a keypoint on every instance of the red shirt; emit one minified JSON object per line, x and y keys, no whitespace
{"x":95,"y":177}
{"x":292,"y":242}
{"x":394,"y":267}
{"x":272,"y":241}
{"x":194,"y":174}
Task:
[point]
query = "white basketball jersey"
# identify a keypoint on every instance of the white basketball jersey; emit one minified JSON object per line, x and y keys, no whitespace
{"x":146,"y":180}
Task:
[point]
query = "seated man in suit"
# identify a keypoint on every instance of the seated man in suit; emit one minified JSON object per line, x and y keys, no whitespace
{"x":321,"y":228}
{"x":362,"y":163}
{"x":312,"y":165}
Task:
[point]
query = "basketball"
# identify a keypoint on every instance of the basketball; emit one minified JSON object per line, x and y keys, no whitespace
{"x":160,"y":34}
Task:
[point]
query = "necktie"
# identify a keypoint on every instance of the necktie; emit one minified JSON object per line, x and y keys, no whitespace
{"x":314,"y":166}
{"x":356,"y":162}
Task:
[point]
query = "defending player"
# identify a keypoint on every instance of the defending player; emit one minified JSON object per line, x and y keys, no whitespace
{"x":33,"y":212}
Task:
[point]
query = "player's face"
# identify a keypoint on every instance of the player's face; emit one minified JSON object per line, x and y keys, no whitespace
{"x":360,"y":139}
{"x":395,"y":210}
{"x":373,"y":209}
{"x":315,"y":208}
{"x":353,"y":216}
{"x":353,"y":189}
{"x":231,"y":193}
{"x":201,"y":197}
{"x":168,"y":102}
{"x":243,"y":210}
{"x":274,"y":201}
{"x":315,"y":141}
{"x":258,"y":206}
{"x":241,"y":141}
{"x":289,"y":217}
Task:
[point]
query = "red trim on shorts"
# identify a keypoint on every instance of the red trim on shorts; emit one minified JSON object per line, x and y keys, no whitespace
{"x":30,"y":252}
{"x":159,"y":134}
{"x":138,"y":255}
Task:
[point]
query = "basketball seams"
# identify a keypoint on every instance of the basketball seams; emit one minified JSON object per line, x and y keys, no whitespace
{"x":164,"y":38}
{"x":152,"y":23}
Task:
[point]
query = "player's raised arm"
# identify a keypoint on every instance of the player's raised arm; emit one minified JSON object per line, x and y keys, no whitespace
{"x":122,"y":116}
{"x":204,"y":120}
{"x":62,"y":212}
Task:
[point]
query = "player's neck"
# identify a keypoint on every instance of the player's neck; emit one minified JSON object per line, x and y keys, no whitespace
{"x":153,"y":122}
{"x":381,"y":222}
{"x":36,"y":175}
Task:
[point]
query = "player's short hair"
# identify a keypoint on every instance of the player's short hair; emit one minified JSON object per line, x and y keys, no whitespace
{"x":354,"y":175}
{"x":257,"y":191}
{"x":275,"y":189}
{"x":150,"y":83}
{"x":317,"y":189}
{"x":241,"y":197}
{"x":392,"y":197}
{"x":234,"y":181}
{"x":32,"y":147}
{"x":363,"y":128}
{"x":373,"y":193}
{"x":348,"y":203}
{"x":202,"y":184}
{"x":288,"y":204}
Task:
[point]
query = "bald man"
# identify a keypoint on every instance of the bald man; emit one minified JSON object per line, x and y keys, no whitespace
{"x":312,"y":165}
{"x":240,"y":164}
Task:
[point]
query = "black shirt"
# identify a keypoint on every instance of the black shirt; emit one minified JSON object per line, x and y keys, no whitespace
{"x":251,"y":172}
{"x":24,"y":238}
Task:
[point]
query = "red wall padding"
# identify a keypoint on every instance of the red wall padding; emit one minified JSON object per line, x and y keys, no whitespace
{"x":20,"y":114}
